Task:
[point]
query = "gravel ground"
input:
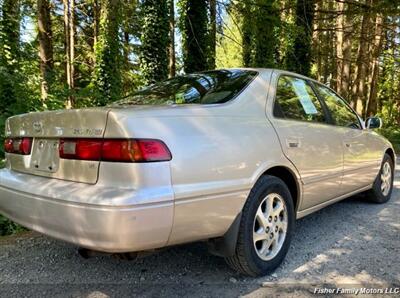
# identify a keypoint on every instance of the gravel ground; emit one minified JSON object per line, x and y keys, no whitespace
{"x":350,"y":244}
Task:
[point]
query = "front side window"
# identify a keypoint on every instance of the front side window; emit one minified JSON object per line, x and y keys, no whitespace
{"x":210,"y":87}
{"x":341,"y":113}
{"x":296,"y":100}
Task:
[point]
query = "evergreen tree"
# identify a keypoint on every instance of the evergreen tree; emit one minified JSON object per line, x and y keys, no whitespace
{"x":155,"y":41}
{"x":107,"y":77}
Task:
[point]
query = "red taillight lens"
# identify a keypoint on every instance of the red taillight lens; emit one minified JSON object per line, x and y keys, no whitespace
{"x":8,"y":146}
{"x":25,"y":146}
{"x":20,"y":146}
{"x":115,"y":150}
{"x":119,"y":150}
{"x":82,"y":149}
{"x":152,"y":150}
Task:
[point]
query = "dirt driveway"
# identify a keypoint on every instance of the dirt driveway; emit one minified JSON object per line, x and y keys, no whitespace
{"x":350,"y":244}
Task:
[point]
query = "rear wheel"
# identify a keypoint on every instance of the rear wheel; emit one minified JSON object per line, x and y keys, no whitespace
{"x":383,"y":184}
{"x":265,"y":229}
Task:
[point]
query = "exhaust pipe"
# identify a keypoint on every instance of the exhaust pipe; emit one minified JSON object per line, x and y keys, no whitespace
{"x":88,"y":253}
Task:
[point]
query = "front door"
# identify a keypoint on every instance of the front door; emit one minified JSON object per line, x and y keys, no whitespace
{"x":358,"y":160}
{"x":307,"y":139}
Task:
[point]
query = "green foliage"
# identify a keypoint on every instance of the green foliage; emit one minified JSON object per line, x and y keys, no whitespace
{"x":7,"y":227}
{"x":107,"y":74}
{"x":13,"y":88}
{"x":259,"y":25}
{"x":393,"y":135}
{"x":391,"y":127}
{"x":229,"y":45}
{"x":265,"y":39}
{"x":155,"y":40}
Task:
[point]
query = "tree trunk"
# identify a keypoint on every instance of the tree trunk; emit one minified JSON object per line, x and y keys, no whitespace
{"x":69,"y":27}
{"x":247,"y":34}
{"x":346,"y":64}
{"x":126,"y":48}
{"x":317,"y":40}
{"x":339,"y":46}
{"x":155,"y":38}
{"x":213,"y":33}
{"x":196,"y":42}
{"x":45,"y":37}
{"x":171,"y":48}
{"x":359,"y":88}
{"x":377,"y":49}
{"x":96,"y":22}
{"x":300,"y":60}
{"x":266,"y":18}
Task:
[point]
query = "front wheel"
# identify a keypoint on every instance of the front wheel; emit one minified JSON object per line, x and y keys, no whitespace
{"x":383,"y":184}
{"x":266,"y":228}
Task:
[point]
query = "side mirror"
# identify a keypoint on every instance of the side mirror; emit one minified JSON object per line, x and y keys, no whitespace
{"x":373,"y":122}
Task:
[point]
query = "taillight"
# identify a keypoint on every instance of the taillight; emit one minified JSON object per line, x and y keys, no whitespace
{"x":82,"y":149}
{"x":20,"y":146}
{"x":115,"y":150}
{"x":8,"y":146}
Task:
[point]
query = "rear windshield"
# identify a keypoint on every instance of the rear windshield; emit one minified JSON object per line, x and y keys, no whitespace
{"x":209,"y":87}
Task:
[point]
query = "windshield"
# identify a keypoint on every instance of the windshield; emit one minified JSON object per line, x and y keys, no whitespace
{"x":209,"y":87}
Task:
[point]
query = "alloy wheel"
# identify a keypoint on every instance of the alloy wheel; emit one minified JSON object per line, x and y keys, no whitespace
{"x":386,"y":178}
{"x":270,"y":226}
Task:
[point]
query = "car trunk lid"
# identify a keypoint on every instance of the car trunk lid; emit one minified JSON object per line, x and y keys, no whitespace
{"x":46,"y":129}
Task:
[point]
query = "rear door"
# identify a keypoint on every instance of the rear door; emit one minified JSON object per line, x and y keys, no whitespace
{"x":307,"y":139}
{"x":359,"y":161}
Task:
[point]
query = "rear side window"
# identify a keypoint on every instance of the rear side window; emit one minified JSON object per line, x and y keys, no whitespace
{"x":296,"y":100}
{"x":210,"y":87}
{"x":341,"y":113}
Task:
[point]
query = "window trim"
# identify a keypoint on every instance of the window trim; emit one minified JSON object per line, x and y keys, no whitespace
{"x":315,"y":83}
{"x":307,"y":81}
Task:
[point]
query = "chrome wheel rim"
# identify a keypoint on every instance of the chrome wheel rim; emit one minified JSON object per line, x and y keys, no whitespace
{"x":270,"y":226}
{"x":386,"y":178}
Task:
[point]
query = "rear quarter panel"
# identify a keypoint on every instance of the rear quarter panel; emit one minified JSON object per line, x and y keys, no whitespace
{"x":218,"y":153}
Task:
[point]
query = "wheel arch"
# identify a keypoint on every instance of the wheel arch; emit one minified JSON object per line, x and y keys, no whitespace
{"x":390,"y":152}
{"x":225,"y":246}
{"x":289,"y":177}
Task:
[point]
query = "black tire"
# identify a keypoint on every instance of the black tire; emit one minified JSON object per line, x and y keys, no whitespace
{"x":375,"y":194}
{"x":246,"y":259}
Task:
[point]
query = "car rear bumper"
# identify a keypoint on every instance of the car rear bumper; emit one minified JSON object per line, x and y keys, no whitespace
{"x":109,"y":228}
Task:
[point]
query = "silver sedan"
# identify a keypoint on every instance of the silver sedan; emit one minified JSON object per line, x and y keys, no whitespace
{"x":231,"y":156}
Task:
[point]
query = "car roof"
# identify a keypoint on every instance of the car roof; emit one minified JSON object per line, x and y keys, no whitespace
{"x":275,"y":70}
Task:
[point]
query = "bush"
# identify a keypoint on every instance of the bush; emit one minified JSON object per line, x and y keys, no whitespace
{"x":7,"y":227}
